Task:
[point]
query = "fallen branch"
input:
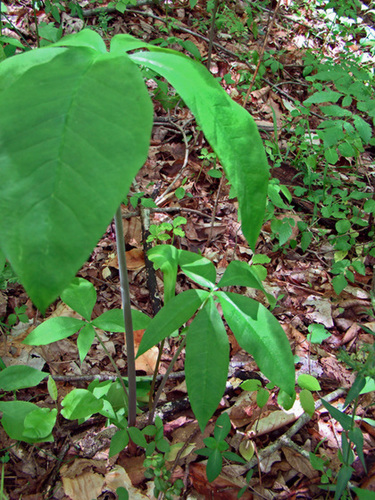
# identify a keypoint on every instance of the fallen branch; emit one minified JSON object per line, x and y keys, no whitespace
{"x":285,"y":439}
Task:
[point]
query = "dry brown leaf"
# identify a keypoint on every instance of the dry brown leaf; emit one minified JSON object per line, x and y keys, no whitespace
{"x":80,"y":482}
{"x":272,"y":420}
{"x":147,"y":361}
{"x":118,"y":477}
{"x":134,"y":260}
{"x":299,"y":463}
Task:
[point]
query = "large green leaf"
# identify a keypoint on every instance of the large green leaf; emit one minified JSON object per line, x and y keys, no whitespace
{"x":229,"y":128}
{"x":75,"y":126}
{"x":80,"y":295}
{"x":14,"y":417}
{"x":198,"y":268}
{"x":206,"y":364}
{"x":171,"y":317}
{"x":54,"y":329}
{"x":259,"y":333}
{"x":18,"y":377}
{"x":113,"y":320}
{"x":239,"y":273}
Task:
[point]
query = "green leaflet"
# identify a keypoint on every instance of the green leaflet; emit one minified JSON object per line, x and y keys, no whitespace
{"x":171,"y":317}
{"x":259,"y":333}
{"x":228,"y":127}
{"x":54,"y":329}
{"x":17,"y":377}
{"x":207,"y":361}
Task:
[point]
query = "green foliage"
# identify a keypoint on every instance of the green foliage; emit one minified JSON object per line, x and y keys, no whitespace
{"x":207,"y":356}
{"x":63,"y":118}
{"x":7,"y":275}
{"x":160,"y":232}
{"x":216,"y":447}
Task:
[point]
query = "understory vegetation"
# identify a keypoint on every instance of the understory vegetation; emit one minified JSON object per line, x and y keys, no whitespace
{"x":187,"y":257}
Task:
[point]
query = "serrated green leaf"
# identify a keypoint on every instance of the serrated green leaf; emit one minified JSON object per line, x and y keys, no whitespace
{"x":363,"y":128}
{"x":206,"y":363}
{"x":54,"y":329}
{"x":323,"y":96}
{"x":335,"y":110}
{"x":80,"y":295}
{"x":17,"y":377}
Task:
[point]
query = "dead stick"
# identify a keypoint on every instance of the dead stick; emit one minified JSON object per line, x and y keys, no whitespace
{"x":261,"y":55}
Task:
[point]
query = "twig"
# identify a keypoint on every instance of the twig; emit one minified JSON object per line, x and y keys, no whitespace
{"x":213,"y":217}
{"x":112,"y":10}
{"x":101,"y":378}
{"x":162,"y":197}
{"x":164,"y":380}
{"x":261,"y":54}
{"x":285,"y":439}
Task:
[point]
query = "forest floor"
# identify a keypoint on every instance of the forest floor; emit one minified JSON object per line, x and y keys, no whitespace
{"x":186,"y":182}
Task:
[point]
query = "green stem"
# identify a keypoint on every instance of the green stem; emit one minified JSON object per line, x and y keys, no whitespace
{"x":112,"y":361}
{"x":125,"y":297}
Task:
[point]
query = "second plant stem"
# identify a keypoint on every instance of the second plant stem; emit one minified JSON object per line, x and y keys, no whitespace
{"x":129,"y":337}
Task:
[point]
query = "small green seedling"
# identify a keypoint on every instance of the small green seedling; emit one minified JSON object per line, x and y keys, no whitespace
{"x":216,"y":448}
{"x":160,"y":232}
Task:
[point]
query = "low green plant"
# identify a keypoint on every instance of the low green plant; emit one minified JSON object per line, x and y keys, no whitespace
{"x":87,"y":144}
{"x":217,"y":448}
{"x":4,"y":459}
{"x":121,"y":5}
{"x":7,"y":275}
{"x":19,"y":316}
{"x":160,"y":232}
{"x":181,"y":192}
{"x":145,"y":201}
{"x":352,"y":440}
